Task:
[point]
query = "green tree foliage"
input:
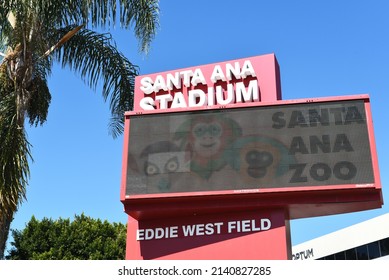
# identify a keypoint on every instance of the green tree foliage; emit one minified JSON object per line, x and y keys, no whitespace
{"x":35,"y":34}
{"x":84,"y":238}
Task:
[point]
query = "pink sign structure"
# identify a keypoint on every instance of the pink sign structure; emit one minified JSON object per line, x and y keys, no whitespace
{"x":250,"y":80}
{"x":214,"y":161}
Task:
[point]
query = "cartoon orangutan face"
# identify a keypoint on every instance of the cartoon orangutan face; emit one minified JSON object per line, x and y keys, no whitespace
{"x":206,"y":138}
{"x":209,"y":136}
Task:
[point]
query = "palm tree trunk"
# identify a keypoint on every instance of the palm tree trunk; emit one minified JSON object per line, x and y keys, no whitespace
{"x":14,"y":154}
{"x":5,"y":223}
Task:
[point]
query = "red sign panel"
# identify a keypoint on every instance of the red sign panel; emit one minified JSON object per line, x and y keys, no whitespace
{"x":238,"y":235}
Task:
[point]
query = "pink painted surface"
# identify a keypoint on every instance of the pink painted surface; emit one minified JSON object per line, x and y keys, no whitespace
{"x":373,"y":146}
{"x":265,"y":66}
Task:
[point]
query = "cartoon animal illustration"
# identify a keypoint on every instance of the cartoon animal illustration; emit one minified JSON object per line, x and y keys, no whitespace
{"x":259,"y":160}
{"x":207,"y":137}
{"x":162,"y":163}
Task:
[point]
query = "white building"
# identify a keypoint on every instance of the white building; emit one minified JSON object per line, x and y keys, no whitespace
{"x":364,"y":241}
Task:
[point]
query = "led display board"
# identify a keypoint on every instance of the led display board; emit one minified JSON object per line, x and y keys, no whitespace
{"x":280,"y":146}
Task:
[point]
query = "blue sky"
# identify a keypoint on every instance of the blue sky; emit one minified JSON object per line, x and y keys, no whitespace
{"x":324,"y":48}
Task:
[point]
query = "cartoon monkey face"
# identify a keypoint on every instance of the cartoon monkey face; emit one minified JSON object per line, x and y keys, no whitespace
{"x":207,"y":138}
{"x":259,"y":162}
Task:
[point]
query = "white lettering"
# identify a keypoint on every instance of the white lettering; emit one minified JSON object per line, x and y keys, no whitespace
{"x":149,"y":234}
{"x":233,"y":71}
{"x":220,"y":95}
{"x":174,"y":232}
{"x":254,"y":226}
{"x":209,"y":230}
{"x":200,"y":229}
{"x":173,"y":81}
{"x":247,"y":70}
{"x":218,"y":227}
{"x":198,"y":78}
{"x":196,"y":98}
{"x":231,"y":226}
{"x":164,"y":100}
{"x":157,"y":233}
{"x":217,"y":74}
{"x":147,"y":103}
{"x":248,"y":225}
{"x":238,"y":226}
{"x":147,"y":85}
{"x":179,"y":101}
{"x":265,"y":224}
{"x":159,"y":84}
{"x":140,"y":234}
{"x":189,"y":230}
{"x":186,"y":75}
{"x":211,"y":96}
{"x":233,"y":90}
{"x":252,"y":93}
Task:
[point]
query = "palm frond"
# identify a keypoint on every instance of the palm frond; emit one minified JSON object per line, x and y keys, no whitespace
{"x":5,"y":26}
{"x":97,"y":59}
{"x":40,"y":98}
{"x":14,"y":152}
{"x":144,"y":15}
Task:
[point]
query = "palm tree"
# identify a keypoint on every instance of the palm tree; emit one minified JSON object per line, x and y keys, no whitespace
{"x":33,"y":35}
